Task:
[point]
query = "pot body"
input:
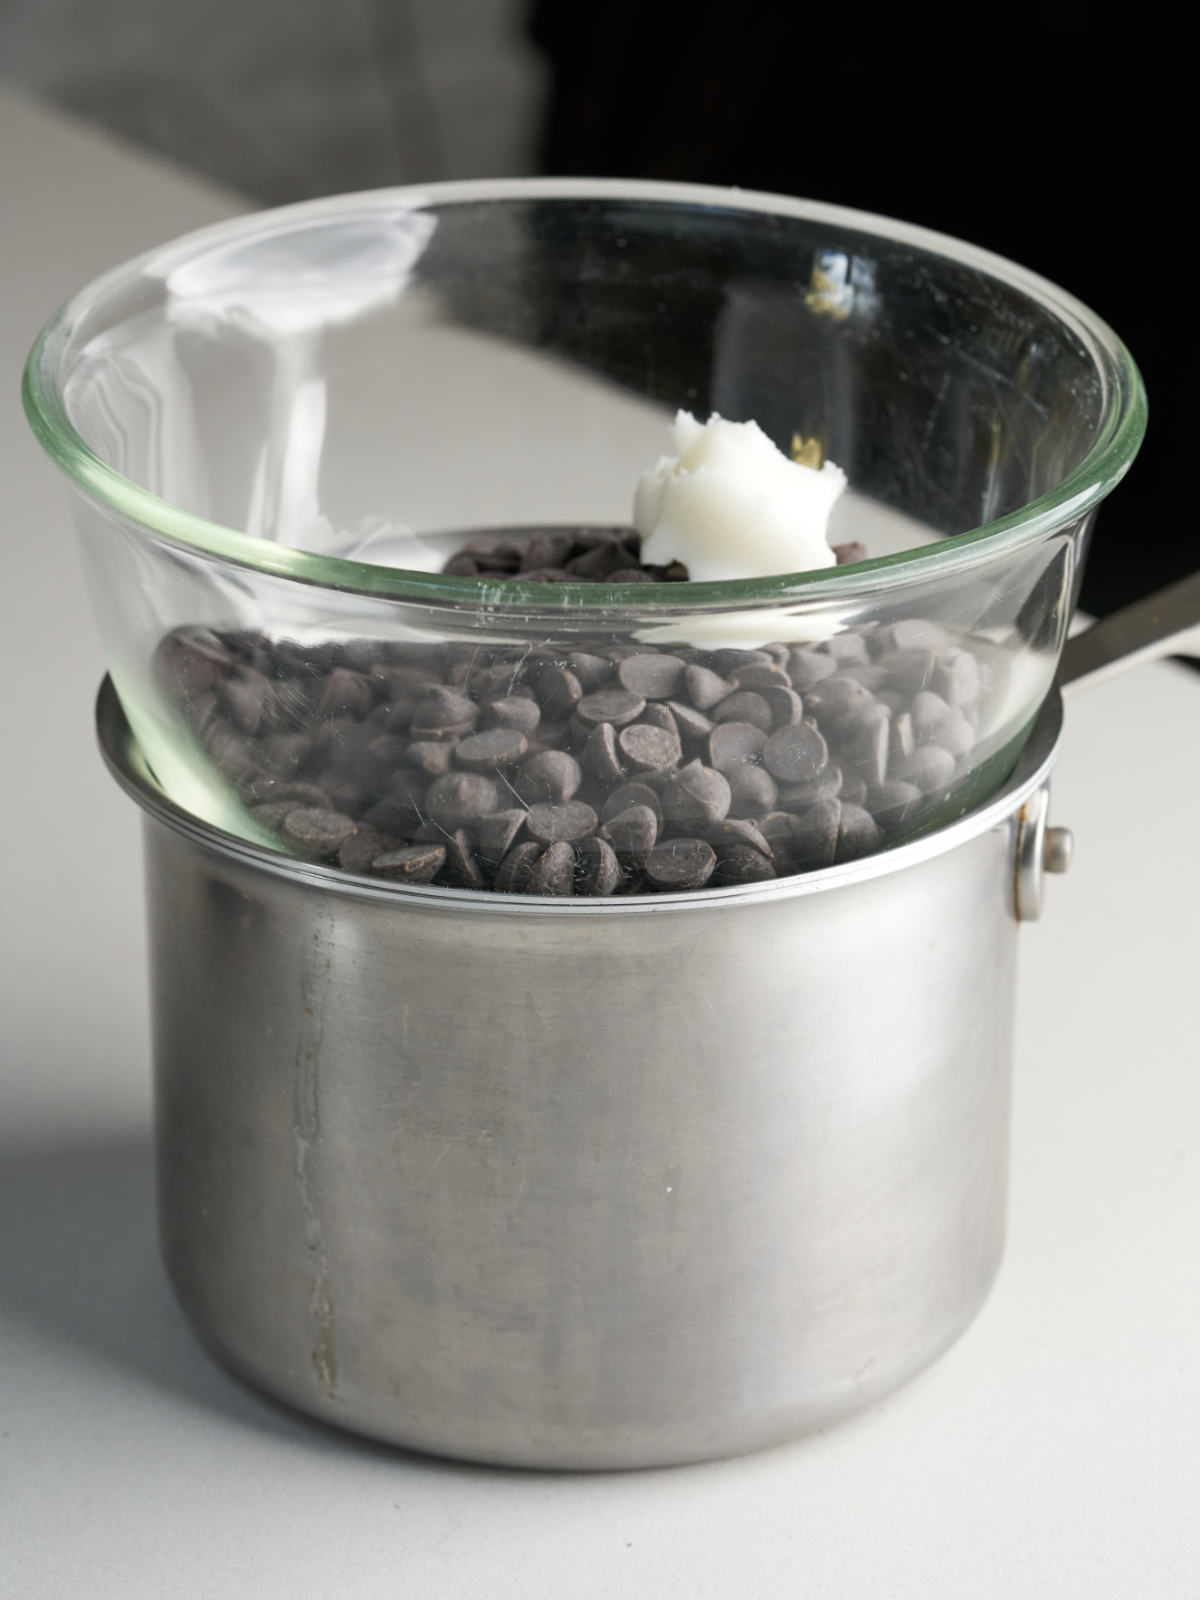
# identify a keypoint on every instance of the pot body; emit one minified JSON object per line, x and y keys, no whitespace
{"x":571,"y":1186}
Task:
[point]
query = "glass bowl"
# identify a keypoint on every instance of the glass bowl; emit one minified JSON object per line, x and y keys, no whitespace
{"x":279,"y":431}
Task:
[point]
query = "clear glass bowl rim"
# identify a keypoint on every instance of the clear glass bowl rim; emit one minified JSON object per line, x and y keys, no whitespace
{"x":1119,"y":437}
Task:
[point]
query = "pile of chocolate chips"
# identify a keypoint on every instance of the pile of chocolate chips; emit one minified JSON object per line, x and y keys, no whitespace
{"x":586,"y":768}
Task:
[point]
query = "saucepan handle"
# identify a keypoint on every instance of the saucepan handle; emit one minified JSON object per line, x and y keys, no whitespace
{"x":1164,"y":624}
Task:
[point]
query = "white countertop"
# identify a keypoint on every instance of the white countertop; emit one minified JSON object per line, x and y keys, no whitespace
{"x":1054,"y":1452}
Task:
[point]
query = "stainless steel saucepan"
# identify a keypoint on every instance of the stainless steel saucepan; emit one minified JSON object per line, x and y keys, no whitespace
{"x":594,"y":1183}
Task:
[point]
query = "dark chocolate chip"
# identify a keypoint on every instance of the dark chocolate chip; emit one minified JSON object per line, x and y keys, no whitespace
{"x":512,"y":711}
{"x":553,"y":872}
{"x":795,"y":754}
{"x":317,"y":832}
{"x":631,"y":794}
{"x":744,"y":705}
{"x":696,"y":795}
{"x":752,"y":790}
{"x":807,"y":668}
{"x":413,"y":863}
{"x":591,"y":670}
{"x":461,"y":798}
{"x":858,"y":834}
{"x":570,"y":820}
{"x":733,"y":743}
{"x":462,"y":868}
{"x":444,"y":711}
{"x":892,"y":802}
{"x":513,"y":872}
{"x":356,"y":853}
{"x":551,"y":775}
{"x":632,"y":833}
{"x":705,"y":688}
{"x":558,"y":691}
{"x":600,"y":757}
{"x":598,"y":872}
{"x":492,"y":748}
{"x":434,"y":757}
{"x":617,"y":706}
{"x":681,"y":864}
{"x":692,"y":724}
{"x":495,"y":833}
{"x":654,"y":677}
{"x":815,"y":832}
{"x":649,"y":748}
{"x":741,"y":863}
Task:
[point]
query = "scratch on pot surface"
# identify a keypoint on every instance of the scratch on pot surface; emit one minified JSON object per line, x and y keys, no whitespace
{"x":306,"y":1118}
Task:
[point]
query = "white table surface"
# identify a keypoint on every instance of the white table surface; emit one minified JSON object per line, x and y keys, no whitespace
{"x":1054,"y":1452}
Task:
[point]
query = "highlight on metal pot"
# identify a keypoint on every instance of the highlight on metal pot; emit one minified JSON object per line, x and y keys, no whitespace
{"x":442,"y":533}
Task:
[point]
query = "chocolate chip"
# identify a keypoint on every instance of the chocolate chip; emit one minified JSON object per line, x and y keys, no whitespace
{"x":444,"y":711}
{"x":316,"y":832}
{"x":891,"y":803}
{"x":434,"y":757}
{"x":786,"y":706}
{"x":740,"y":830}
{"x":835,"y":700}
{"x":242,"y":697}
{"x":761,"y":675}
{"x":552,"y":775}
{"x":846,"y":648}
{"x":591,"y":670}
{"x":649,"y":748}
{"x":929,"y":766}
{"x":849,"y":552}
{"x":512,"y":876}
{"x":570,"y":820}
{"x":958,"y":678}
{"x":356,"y":853}
{"x":752,"y":790}
{"x":814,"y":835}
{"x":414,"y":863}
{"x":600,"y":758}
{"x":681,"y":864}
{"x":632,"y":833}
{"x":346,"y":694}
{"x":806,"y":668}
{"x":915,"y":633}
{"x":654,"y":677}
{"x":692,"y":724}
{"x":631,"y":794}
{"x":191,"y":661}
{"x":598,"y":872}
{"x":733,"y":743}
{"x":744,"y":705}
{"x":558,"y":690}
{"x":795,"y":754}
{"x":552,"y":873}
{"x":495,"y":833}
{"x":858,"y":834}
{"x":490,"y":749}
{"x":512,"y":711}
{"x":908,"y":671}
{"x":462,"y":868}
{"x":696,"y":795}
{"x":705,"y":688}
{"x":461,"y":798}
{"x":741,"y":863}
{"x":617,"y":706}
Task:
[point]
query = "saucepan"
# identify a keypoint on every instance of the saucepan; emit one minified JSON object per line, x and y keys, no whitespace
{"x":594,"y":1182}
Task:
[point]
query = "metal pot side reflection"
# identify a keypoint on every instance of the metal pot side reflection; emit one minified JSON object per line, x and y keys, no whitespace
{"x":582,"y":1184}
